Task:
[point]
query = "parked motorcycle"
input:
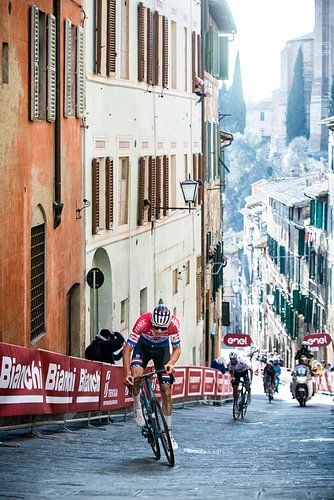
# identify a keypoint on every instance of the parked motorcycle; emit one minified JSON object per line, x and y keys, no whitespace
{"x":302,"y":386}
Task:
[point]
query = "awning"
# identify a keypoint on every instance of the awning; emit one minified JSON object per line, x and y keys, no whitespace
{"x":222,"y":16}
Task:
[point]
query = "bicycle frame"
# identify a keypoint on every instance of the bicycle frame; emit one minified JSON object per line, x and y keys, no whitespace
{"x":240,"y":401}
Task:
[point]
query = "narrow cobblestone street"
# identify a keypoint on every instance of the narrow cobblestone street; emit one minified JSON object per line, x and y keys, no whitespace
{"x":279,"y":450}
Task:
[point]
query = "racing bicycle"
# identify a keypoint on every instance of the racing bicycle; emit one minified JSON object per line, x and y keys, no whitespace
{"x":240,"y":401}
{"x":269,"y":389}
{"x":155,"y":429}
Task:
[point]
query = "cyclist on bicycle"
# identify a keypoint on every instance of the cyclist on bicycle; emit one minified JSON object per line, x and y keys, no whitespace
{"x":278,"y":370}
{"x":150,"y":340}
{"x":239,"y":368}
{"x":269,"y":375}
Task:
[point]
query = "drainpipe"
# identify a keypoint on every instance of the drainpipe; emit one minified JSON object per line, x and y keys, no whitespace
{"x":57,"y":204}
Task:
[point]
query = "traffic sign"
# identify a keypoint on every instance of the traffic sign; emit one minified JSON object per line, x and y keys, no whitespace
{"x":95,"y":277}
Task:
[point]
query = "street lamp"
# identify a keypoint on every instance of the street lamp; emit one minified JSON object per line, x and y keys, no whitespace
{"x":189,"y":191}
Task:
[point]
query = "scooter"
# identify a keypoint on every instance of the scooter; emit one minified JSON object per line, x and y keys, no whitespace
{"x":302,"y":387}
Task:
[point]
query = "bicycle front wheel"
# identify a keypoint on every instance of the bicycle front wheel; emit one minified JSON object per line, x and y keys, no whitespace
{"x":149,"y":430}
{"x":237,"y":406}
{"x":163,"y":432}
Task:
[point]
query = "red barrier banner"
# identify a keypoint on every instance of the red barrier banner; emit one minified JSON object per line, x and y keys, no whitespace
{"x":209,"y":382}
{"x":21,"y":381}
{"x":87,"y":385}
{"x":228,"y":389}
{"x":220,"y":386}
{"x":58,"y":381}
{"x":179,"y":386}
{"x":194,"y":382}
{"x":318,"y":339}
{"x":114,"y":394}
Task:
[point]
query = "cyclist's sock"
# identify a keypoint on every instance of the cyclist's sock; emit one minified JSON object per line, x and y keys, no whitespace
{"x":169,"y":421}
{"x":136,"y":400}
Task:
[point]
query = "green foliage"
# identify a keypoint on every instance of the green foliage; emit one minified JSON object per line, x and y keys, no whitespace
{"x":248,"y":163}
{"x":331,"y":101}
{"x":232,"y":102}
{"x":296,"y":113}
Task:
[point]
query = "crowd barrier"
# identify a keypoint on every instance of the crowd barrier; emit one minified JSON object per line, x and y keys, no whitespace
{"x":39,"y":382}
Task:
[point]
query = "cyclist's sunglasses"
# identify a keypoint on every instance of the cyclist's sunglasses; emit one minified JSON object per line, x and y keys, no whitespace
{"x":162,"y":328}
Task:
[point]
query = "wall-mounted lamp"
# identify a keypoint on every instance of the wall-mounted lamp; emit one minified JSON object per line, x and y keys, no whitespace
{"x":86,"y":204}
{"x":270,"y":299}
{"x":235,"y":287}
{"x":189,"y":190}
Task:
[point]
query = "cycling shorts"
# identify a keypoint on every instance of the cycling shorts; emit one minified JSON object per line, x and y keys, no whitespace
{"x":143,"y":353}
{"x":238,"y":375}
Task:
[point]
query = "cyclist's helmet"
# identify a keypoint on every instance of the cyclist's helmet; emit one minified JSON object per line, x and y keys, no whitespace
{"x":275,"y":361}
{"x":233,"y":357}
{"x":304,"y":344}
{"x":161,"y":316}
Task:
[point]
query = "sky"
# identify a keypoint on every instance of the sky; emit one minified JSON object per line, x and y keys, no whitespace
{"x":263,"y":27}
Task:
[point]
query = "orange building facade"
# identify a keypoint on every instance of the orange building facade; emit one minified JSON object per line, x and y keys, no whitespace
{"x":41,"y":236}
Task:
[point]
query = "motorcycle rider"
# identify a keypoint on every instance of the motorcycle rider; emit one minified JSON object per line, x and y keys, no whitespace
{"x":304,"y":355}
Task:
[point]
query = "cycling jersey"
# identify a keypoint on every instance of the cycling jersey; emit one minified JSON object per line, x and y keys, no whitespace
{"x":143,"y":330}
{"x":241,"y":366}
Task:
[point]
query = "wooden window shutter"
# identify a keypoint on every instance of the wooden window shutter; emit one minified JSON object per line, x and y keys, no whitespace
{"x":111,"y":37}
{"x":158,"y":187}
{"x":109,"y":193}
{"x":201,"y":178}
{"x":199,"y":56}
{"x":195,"y":173}
{"x":141,"y":190}
{"x":193,"y":57}
{"x":98,"y":54}
{"x":141,"y":42}
{"x":149,"y":78}
{"x":156,"y":47}
{"x":166,"y":185}
{"x":164,"y":52}
{"x":34,"y":61}
{"x":198,"y":289}
{"x":80,"y":104}
{"x":95,"y":196}
{"x":51,"y":69}
{"x":151,"y":187}
{"x":68,"y":89}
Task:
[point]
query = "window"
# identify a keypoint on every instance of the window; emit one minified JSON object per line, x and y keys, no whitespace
{"x":102,"y":194}
{"x":175,"y":275}
{"x":74,"y":71}
{"x":42,"y":65}
{"x":123,"y":191}
{"x":173,"y":55}
{"x":262,"y":116}
{"x":173,"y":180}
{"x":124,"y":313}
{"x":37,"y":281}
{"x":124,"y":39}
{"x":105,"y":55}
{"x":143,"y":300}
{"x":5,"y":63}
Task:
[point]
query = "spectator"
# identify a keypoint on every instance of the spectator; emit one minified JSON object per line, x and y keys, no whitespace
{"x":104,"y":346}
{"x":218,"y":364}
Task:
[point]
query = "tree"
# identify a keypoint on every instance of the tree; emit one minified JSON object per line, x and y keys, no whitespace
{"x":247,"y":163}
{"x":236,"y":103}
{"x":331,"y":100}
{"x":296,"y":113}
{"x":296,"y":160}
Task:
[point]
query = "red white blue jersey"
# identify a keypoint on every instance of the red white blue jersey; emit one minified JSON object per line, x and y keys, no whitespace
{"x":143,"y":331}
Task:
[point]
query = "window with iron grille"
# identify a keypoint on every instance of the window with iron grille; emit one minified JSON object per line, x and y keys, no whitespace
{"x":37,"y":281}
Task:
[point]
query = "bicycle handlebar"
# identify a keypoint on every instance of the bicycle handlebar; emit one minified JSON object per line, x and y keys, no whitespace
{"x":149,"y":375}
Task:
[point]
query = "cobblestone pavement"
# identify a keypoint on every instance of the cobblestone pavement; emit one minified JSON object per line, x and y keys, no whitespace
{"x":278,"y":451}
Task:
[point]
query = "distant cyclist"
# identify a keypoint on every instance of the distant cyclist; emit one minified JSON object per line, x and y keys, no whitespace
{"x":150,"y":340}
{"x":269,"y":375}
{"x":239,"y":368}
{"x":278,"y":370}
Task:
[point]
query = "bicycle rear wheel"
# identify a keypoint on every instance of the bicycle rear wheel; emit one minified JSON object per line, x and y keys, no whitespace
{"x":163,"y":432}
{"x":149,"y":430}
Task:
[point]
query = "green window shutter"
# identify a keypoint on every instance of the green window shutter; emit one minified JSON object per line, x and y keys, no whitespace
{"x":319,"y":213}
{"x":312,"y":212}
{"x":301,"y":242}
{"x":215,"y":54}
{"x":277,"y":301}
{"x":223,"y":58}
{"x":282,"y":259}
{"x":325,"y":215}
{"x":296,"y":300}
{"x":208,"y":51}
